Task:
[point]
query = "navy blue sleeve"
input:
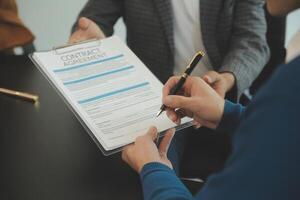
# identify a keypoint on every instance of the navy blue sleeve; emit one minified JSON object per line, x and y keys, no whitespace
{"x":161,"y":183}
{"x":231,"y":117}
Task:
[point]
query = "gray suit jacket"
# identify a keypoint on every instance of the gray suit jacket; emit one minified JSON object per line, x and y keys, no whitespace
{"x":233,"y":33}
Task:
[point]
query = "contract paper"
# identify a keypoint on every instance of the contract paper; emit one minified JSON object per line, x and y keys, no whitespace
{"x":110,"y":89}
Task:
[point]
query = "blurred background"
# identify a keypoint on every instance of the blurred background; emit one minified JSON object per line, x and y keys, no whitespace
{"x":51,"y":21}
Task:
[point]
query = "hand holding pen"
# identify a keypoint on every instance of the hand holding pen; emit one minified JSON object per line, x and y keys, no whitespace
{"x":184,"y":76}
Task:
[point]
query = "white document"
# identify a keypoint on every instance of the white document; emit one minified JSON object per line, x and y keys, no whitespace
{"x":110,"y":89}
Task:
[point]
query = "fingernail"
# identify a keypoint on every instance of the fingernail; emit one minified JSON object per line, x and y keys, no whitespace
{"x":152,"y":129}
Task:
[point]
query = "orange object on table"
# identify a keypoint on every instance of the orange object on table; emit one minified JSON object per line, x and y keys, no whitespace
{"x":13,"y":33}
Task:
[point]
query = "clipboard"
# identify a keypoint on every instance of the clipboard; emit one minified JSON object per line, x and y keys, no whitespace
{"x":82,"y":122}
{"x":56,"y":49}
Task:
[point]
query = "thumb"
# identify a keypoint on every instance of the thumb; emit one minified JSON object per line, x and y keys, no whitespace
{"x":80,"y":33}
{"x":152,"y":133}
{"x":165,"y":143}
{"x":84,"y":23}
{"x":211,"y":77}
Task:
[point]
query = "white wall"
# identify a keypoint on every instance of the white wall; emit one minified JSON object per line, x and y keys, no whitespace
{"x":293,"y":24}
{"x":51,"y":21}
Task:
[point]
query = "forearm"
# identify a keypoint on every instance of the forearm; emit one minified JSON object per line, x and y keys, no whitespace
{"x":231,"y":117}
{"x":248,"y":51}
{"x":161,"y":183}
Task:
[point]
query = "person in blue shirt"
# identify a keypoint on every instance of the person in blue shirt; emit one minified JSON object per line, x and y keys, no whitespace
{"x":265,"y":159}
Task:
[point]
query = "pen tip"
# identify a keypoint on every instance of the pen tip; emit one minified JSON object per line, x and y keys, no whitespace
{"x":158,"y":113}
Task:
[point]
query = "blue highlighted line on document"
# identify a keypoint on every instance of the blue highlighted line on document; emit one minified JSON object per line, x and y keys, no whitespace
{"x":99,"y":75}
{"x":87,"y":64}
{"x":113,"y":93}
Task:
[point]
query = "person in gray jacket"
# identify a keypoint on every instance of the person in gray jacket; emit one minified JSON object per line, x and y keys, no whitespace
{"x":165,"y":34}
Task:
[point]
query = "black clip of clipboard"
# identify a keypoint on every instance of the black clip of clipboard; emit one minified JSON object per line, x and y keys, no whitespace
{"x":56,"y":49}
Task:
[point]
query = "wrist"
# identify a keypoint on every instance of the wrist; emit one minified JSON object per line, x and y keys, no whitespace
{"x":157,"y":161}
{"x":153,"y":167}
{"x":141,"y":165}
{"x":144,"y":162}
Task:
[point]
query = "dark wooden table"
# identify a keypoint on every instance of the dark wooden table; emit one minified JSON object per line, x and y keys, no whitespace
{"x":45,"y":153}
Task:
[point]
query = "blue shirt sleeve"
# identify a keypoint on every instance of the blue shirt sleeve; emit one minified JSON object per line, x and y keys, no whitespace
{"x":232,"y":117}
{"x":161,"y":183}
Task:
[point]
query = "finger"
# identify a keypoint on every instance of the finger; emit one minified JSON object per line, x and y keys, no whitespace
{"x":165,"y":143}
{"x":74,"y":37}
{"x":208,"y":124}
{"x":78,"y":36}
{"x":196,"y":124}
{"x":175,"y":101}
{"x":124,"y":156}
{"x":83,"y":23}
{"x":125,"y":153}
{"x":169,"y":85}
{"x":181,"y":113}
{"x":152,"y":133}
{"x":221,"y":91}
{"x":211,"y":77}
{"x":184,"y":113}
{"x":171,"y":115}
{"x":207,"y":79}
